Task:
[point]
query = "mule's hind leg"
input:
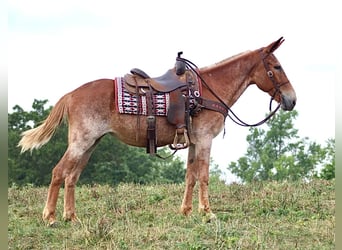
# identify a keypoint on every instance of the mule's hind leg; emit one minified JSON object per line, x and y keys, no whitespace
{"x":69,"y":213}
{"x":68,"y":169}
{"x":59,"y":173}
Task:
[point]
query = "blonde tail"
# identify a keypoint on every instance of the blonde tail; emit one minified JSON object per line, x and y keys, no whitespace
{"x":37,"y":137}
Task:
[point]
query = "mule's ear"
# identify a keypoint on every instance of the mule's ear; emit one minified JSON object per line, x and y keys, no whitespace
{"x":275,"y":45}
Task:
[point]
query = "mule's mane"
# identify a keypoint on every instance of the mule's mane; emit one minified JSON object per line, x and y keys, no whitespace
{"x":224,"y":61}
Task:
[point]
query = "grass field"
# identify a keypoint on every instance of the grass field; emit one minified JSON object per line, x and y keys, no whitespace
{"x":266,"y":215}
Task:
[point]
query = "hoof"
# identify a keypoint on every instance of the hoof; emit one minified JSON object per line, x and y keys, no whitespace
{"x":74,"y":221}
{"x":50,"y":218}
{"x":185,"y":210}
{"x":71,"y":217}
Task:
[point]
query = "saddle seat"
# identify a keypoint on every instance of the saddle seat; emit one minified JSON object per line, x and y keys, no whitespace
{"x":166,"y":83}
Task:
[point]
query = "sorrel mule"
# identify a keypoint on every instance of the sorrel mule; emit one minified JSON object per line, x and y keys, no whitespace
{"x":91,"y":113}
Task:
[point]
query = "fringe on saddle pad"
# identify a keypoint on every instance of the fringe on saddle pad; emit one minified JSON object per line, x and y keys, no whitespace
{"x":131,"y":104}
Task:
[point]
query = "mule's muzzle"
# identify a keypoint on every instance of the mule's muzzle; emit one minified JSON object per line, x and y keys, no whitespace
{"x":288,"y":102}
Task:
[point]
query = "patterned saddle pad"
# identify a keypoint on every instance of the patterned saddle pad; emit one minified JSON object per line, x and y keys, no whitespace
{"x":131,"y":104}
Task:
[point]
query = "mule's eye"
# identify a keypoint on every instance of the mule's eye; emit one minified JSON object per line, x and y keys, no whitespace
{"x":277,"y":67}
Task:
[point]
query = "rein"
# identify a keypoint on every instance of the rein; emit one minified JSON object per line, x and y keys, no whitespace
{"x":233,"y":116}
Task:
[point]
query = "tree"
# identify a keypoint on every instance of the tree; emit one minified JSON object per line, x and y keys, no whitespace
{"x":35,"y":167}
{"x":111,"y":163}
{"x":328,"y":170}
{"x":278,"y":153}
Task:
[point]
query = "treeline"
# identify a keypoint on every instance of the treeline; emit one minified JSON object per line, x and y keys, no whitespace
{"x":278,"y":153}
{"x":111,"y":163}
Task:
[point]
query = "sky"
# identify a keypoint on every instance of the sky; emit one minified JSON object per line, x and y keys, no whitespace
{"x":56,"y":46}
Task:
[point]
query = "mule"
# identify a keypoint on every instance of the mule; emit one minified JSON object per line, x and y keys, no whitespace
{"x":91,"y":113}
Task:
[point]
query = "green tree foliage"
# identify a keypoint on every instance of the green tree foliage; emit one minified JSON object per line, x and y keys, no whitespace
{"x":328,"y":170}
{"x":279,"y":154}
{"x":32,"y":168}
{"x":111,"y":163}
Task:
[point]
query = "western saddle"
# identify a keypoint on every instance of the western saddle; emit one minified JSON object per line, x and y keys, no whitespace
{"x":180,"y":83}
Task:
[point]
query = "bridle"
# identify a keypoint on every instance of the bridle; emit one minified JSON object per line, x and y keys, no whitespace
{"x":269,"y":72}
{"x":230,"y":113}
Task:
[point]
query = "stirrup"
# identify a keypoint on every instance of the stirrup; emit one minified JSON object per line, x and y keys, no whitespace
{"x":177,"y":144}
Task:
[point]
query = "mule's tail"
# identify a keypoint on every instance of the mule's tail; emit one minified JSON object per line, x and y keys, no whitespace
{"x":37,"y":137}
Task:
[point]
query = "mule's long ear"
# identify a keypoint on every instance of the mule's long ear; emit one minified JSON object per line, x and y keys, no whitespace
{"x":275,"y":45}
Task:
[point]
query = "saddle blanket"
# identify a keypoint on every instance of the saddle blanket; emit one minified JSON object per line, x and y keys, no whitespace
{"x":131,"y":104}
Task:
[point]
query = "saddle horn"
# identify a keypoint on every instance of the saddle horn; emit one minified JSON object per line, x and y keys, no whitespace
{"x":180,"y":65}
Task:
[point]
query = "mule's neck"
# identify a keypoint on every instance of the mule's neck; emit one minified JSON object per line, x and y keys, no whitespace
{"x":230,"y":77}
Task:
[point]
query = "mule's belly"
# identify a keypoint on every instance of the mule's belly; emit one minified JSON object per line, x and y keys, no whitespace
{"x":132,"y":130}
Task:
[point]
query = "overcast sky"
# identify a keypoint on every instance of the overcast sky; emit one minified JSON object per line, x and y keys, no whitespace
{"x":56,"y":46}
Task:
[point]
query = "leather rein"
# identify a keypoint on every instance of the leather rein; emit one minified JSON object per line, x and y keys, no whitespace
{"x":229,"y":112}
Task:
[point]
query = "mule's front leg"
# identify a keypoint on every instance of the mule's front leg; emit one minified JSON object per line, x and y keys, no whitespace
{"x":203,"y":158}
{"x":203,"y":206}
{"x":190,"y":181}
{"x":197,"y":168}
{"x":203,"y":179}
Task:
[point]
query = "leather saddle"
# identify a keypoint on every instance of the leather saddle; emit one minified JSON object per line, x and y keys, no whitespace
{"x":176,"y":82}
{"x":139,"y":82}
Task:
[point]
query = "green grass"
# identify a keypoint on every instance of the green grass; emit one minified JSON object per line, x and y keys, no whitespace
{"x":266,"y":215}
